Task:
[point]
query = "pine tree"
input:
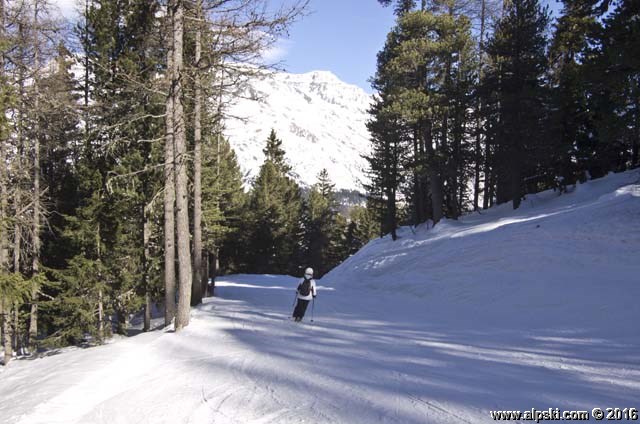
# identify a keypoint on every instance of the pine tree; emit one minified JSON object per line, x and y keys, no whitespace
{"x":78,"y":307}
{"x":425,"y":75}
{"x":25,"y":42}
{"x":573,"y":122}
{"x":323,"y":230}
{"x":223,"y":200}
{"x":518,"y":55}
{"x":361,"y":228}
{"x":180,"y":162}
{"x":61,"y":151}
{"x":15,"y":291}
{"x":613,"y":70}
{"x":388,"y":149}
{"x":115,"y":162}
{"x":169,"y":192}
{"x":402,"y":6}
{"x":6,"y":102}
{"x":274,"y":153}
{"x":275,"y":207}
{"x":198,"y":284}
{"x":459,"y":58}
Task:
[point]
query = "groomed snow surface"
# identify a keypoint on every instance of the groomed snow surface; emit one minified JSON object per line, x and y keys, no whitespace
{"x":507,"y":310}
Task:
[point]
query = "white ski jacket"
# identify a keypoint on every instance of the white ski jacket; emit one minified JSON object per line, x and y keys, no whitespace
{"x":311,"y":293}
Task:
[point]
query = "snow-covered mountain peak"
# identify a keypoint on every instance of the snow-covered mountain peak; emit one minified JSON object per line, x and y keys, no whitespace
{"x":323,"y":76}
{"x":319,"y":118}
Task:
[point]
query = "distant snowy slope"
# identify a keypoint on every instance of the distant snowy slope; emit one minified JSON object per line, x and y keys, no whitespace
{"x":320,"y":119}
{"x":572,"y":259}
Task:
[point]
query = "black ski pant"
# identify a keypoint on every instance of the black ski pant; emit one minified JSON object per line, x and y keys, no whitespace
{"x":301,"y":308}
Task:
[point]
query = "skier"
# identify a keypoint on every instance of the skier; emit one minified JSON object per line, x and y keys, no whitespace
{"x":306,"y":291}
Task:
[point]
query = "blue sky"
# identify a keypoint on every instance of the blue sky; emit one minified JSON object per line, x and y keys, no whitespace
{"x":341,"y":36}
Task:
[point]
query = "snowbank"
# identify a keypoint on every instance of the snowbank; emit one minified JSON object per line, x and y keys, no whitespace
{"x":572,"y":259}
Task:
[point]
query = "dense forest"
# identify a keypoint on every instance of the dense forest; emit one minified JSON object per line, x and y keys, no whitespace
{"x":482,"y":102}
{"x":119,"y":194}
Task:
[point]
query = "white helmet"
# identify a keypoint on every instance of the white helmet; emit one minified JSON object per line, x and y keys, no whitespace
{"x":308,"y":272}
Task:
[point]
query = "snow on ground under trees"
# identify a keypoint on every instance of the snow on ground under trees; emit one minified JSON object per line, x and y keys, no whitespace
{"x":504,"y":310}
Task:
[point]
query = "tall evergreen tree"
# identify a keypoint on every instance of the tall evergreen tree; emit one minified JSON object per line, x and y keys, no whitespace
{"x":275,"y":206}
{"x":62,"y":138}
{"x":613,"y":69}
{"x":323,"y":228}
{"x":274,"y":153}
{"x":573,"y":122}
{"x":169,"y":192}
{"x":424,"y":75}
{"x":115,"y":162}
{"x":223,"y":201}
{"x":5,"y":104}
{"x":389,"y":145}
{"x":361,"y":228}
{"x":180,"y":162}
{"x":197,"y":285}
{"x":518,"y":56}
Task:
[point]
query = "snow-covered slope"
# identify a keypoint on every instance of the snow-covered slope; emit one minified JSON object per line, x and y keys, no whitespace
{"x":572,"y":259}
{"x":320,"y":120}
{"x":508,"y":310}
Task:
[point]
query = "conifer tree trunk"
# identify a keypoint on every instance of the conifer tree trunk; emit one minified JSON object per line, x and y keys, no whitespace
{"x":478,"y":140}
{"x":4,"y":203}
{"x":169,"y":184}
{"x":100,"y":316}
{"x":146,"y":236}
{"x":391,"y":193}
{"x":433,"y":175}
{"x":17,"y":198}
{"x":4,"y":196}
{"x":418,"y":191}
{"x":17,"y":345}
{"x":205,"y":273}
{"x":100,"y":294}
{"x":181,"y":178}
{"x":436,"y":195}
{"x":6,"y":329}
{"x":487,"y":194}
{"x":86,"y":68}
{"x":5,"y":312}
{"x":197,"y":169}
{"x":636,"y":133}
{"x":35,"y":264}
{"x":17,"y":234}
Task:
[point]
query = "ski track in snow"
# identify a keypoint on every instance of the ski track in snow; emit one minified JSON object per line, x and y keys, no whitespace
{"x":509,"y":310}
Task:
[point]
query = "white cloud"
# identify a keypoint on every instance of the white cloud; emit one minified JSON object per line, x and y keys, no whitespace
{"x":278,"y":51}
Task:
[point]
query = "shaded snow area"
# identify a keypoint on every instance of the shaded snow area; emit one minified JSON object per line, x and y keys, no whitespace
{"x":508,"y":310}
